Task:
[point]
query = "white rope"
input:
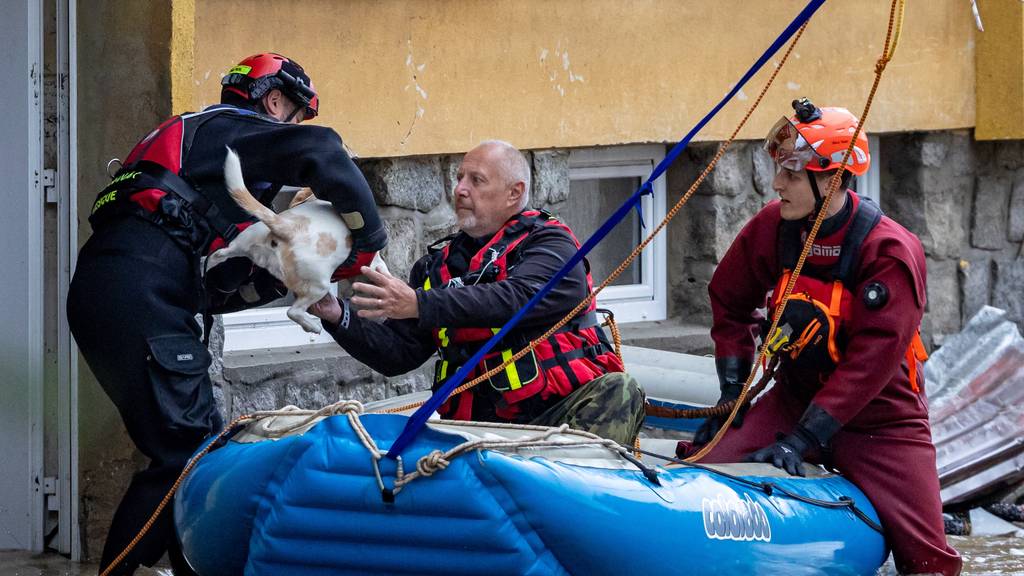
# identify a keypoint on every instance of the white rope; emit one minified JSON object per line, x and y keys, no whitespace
{"x":270,"y":431}
{"x":436,"y":460}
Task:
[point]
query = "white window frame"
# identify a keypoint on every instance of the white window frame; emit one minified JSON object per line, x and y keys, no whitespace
{"x":868,"y":185}
{"x":266,"y":328}
{"x":648,"y":299}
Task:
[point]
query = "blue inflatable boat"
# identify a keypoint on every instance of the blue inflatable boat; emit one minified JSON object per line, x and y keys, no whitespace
{"x":311,"y":502}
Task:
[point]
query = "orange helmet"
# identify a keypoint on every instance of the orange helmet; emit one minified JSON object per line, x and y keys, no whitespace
{"x":816,"y":139}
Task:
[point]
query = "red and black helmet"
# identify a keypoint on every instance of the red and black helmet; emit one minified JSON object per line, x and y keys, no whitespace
{"x":258,"y":74}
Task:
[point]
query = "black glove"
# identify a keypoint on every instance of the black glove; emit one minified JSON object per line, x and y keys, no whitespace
{"x":227,"y":276}
{"x":732,"y":374}
{"x":813,"y":432}
{"x":238,"y":284}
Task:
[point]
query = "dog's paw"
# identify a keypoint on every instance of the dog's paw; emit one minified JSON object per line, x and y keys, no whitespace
{"x":308,"y":322}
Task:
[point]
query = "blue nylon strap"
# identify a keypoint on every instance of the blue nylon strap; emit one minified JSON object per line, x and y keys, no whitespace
{"x":419,"y":418}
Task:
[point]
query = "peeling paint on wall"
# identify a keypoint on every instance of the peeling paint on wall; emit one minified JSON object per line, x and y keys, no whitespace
{"x":415,"y":71}
{"x":571,"y":73}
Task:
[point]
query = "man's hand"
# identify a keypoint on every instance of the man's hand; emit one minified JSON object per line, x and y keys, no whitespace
{"x":386,"y":297}
{"x":327,"y":308}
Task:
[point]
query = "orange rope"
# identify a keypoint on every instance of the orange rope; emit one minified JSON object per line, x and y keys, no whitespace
{"x":170,"y":493}
{"x":832,"y":187}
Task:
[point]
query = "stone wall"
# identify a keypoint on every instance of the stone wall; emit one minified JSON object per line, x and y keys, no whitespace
{"x":965,"y":200}
{"x":704,"y":229}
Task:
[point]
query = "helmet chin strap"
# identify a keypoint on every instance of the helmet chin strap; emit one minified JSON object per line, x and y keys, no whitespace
{"x":294,"y":112}
{"x":818,"y":200}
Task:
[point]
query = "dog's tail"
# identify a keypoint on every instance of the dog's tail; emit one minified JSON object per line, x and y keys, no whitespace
{"x":236,"y":187}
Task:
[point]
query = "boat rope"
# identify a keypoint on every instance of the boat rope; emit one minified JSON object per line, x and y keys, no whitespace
{"x":889,"y":49}
{"x":613,"y":327}
{"x":770,"y":488}
{"x":633,"y":255}
{"x":436,"y":460}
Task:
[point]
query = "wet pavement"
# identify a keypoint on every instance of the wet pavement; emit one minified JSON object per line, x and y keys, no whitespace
{"x":983,"y":556}
{"x":25,"y":564}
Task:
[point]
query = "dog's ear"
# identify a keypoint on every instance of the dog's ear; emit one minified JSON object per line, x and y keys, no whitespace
{"x":300,"y":197}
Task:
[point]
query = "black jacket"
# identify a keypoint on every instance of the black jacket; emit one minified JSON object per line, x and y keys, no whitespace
{"x":273,"y":155}
{"x":398,"y":346}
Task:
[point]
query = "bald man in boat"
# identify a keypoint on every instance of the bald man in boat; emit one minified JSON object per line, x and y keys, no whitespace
{"x":850,"y":389}
{"x":472,"y":283}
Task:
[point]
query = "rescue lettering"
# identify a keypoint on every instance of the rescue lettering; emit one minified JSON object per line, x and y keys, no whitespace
{"x":819,"y":250}
{"x":729,"y":518}
{"x":108,"y":197}
{"x":125,"y":176}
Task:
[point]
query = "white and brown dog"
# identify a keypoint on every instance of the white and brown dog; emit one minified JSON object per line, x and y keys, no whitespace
{"x":302,"y":246}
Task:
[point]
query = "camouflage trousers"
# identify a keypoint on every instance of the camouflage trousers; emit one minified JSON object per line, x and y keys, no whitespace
{"x":611,"y":406}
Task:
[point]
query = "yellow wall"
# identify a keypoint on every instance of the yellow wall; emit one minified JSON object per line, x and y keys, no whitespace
{"x":1000,"y":70}
{"x":402,"y":77}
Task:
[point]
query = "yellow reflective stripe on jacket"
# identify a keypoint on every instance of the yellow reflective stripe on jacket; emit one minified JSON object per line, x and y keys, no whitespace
{"x":514,"y":383}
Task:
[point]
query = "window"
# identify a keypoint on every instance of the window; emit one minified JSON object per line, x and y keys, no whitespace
{"x":600,"y":180}
{"x":868,"y":185}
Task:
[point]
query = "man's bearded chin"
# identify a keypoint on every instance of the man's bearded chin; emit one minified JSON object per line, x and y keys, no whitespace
{"x":466,"y":220}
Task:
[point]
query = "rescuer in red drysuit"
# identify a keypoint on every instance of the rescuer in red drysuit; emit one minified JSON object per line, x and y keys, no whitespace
{"x":850,"y":390}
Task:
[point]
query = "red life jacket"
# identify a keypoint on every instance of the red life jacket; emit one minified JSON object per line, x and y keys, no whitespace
{"x":565,"y":361}
{"x":152,"y":184}
{"x":810,"y":335}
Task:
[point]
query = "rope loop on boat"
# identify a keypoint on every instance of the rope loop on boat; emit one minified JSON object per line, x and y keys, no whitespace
{"x":431,"y":463}
{"x":437,"y":460}
{"x":270,"y":431}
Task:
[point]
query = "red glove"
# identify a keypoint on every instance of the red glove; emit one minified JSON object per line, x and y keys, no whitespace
{"x":351,"y":267}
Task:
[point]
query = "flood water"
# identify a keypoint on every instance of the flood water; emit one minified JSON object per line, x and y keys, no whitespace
{"x":990,"y":554}
{"x":983,"y":555}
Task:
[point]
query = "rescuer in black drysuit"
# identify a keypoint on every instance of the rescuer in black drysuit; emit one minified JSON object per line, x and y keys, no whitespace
{"x":138,"y":283}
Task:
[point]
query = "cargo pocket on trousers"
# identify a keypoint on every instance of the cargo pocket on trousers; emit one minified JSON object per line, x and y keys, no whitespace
{"x":177,"y":367}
